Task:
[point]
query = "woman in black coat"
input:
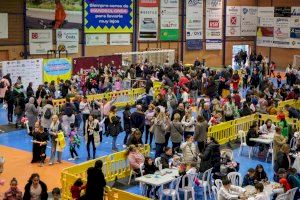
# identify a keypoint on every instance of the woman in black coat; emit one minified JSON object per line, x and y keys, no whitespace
{"x":252,"y":133}
{"x":9,"y":100}
{"x":35,"y":183}
{"x":211,"y":158}
{"x":127,"y":123}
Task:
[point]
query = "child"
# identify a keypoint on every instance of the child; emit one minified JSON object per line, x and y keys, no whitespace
{"x":118,"y":84}
{"x":249,"y":178}
{"x":77,"y":188}
{"x":260,"y":174}
{"x":56,"y":193}
{"x":74,"y":142}
{"x":278,"y":80}
{"x":283,"y":179}
{"x":176,"y":161}
{"x":150,"y":168}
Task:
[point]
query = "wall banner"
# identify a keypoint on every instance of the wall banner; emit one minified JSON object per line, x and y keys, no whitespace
{"x":68,"y":39}
{"x":248,"y":22}
{"x":57,"y":69}
{"x":282,"y":12}
{"x":148,"y":20}
{"x":213,"y":44}
{"x":194,"y":20}
{"x":4,"y":25}
{"x":96,"y":39}
{"x":119,"y":39}
{"x":233,"y":23}
{"x":31,"y":70}
{"x":295,"y":17}
{"x":108,"y":16}
{"x":194,"y":44}
{"x":40,"y":41}
{"x":265,"y":36}
{"x":213,"y":27}
{"x":295,"y":38}
{"x":169,"y":20}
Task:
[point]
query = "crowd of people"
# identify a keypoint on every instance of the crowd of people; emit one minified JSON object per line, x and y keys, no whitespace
{"x":189,"y":101}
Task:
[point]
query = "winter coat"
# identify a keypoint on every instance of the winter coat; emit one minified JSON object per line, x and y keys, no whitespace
{"x":211,"y":158}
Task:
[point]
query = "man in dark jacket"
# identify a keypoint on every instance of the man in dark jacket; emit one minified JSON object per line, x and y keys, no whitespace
{"x":138,"y":119}
{"x":180,"y":110}
{"x":211,"y":157}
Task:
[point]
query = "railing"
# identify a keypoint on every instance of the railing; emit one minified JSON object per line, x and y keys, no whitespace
{"x":115,"y":166}
{"x":124,"y":97}
{"x":115,"y":194}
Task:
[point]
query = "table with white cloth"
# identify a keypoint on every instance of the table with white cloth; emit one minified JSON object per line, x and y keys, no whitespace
{"x":160,"y":177}
{"x":269,"y":188}
{"x":263,"y":139}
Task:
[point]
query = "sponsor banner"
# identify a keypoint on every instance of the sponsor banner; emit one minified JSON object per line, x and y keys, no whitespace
{"x":57,"y":69}
{"x":282,"y":12}
{"x":282,"y":33}
{"x":194,"y":21}
{"x":214,"y":20}
{"x":282,"y":43}
{"x":194,"y":44}
{"x":96,"y":39}
{"x":295,"y":33}
{"x":169,"y":20}
{"x":148,"y":3}
{"x":67,"y":39}
{"x":108,"y":16}
{"x":4,"y":26}
{"x":265,"y":32}
{"x":119,"y":39}
{"x":295,"y":11}
{"x":282,"y":22}
{"x":295,"y":43}
{"x":233,"y":22}
{"x":265,"y":12}
{"x":214,"y":4}
{"x":233,"y":31}
{"x":40,"y":41}
{"x":248,"y":22}
{"x":265,"y":41}
{"x":31,"y":70}
{"x":295,"y":21}
{"x":266,"y":21}
{"x":212,"y":34}
{"x":148,"y":23}
{"x":213,"y":44}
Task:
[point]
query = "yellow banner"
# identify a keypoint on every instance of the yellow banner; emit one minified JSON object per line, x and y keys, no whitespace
{"x":57,"y":69}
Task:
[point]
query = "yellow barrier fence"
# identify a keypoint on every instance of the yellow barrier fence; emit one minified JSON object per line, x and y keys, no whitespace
{"x":115,"y":194}
{"x":115,"y":166}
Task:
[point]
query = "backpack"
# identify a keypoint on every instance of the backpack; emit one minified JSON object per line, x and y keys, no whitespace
{"x":228,"y":110}
{"x":48,"y":114}
{"x":69,"y":110}
{"x":2,"y":85}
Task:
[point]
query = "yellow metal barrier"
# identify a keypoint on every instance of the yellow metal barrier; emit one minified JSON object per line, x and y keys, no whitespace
{"x":115,"y":166}
{"x":115,"y":194}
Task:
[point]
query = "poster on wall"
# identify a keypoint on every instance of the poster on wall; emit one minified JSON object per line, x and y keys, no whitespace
{"x":57,"y":69}
{"x":148,"y":20}
{"x":214,"y":24}
{"x":108,"y":16}
{"x":265,"y":16}
{"x":40,"y":41}
{"x":169,"y":20}
{"x":282,"y":12}
{"x":265,"y":36}
{"x":194,"y":22}
{"x":96,"y":39}
{"x":53,"y":14}
{"x":4,"y":25}
{"x":31,"y":70}
{"x":295,"y":17}
{"x":295,"y":38}
{"x":248,"y":22}
{"x":233,"y":23}
{"x":67,"y":39}
{"x":119,"y":39}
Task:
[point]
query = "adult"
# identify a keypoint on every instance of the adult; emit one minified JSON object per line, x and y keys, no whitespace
{"x":35,"y":189}
{"x":138,"y":119}
{"x":47,"y":113}
{"x":29,"y":90}
{"x":160,"y":101}
{"x":135,"y":158}
{"x":9,"y":100}
{"x":200,"y":136}
{"x":114,"y":127}
{"x":171,"y":99}
{"x":149,"y":114}
{"x":68,"y":116}
{"x":279,"y":141}
{"x":176,"y":130}
{"x":105,"y":107}
{"x":92,"y":129}
{"x":40,"y":93}
{"x":95,"y":183}
{"x":229,"y":191}
{"x":211,"y":157}
{"x":166,"y":157}
{"x":159,"y":130}
{"x":13,"y":192}
{"x":127,"y":123}
{"x":135,"y":138}
{"x":282,"y":159}
{"x":4,"y":84}
{"x":229,"y":109}
{"x":189,"y":150}
{"x":40,"y":139}
{"x":268,"y":127}
{"x":205,"y":112}
{"x":188,"y":123}
{"x":19,"y":103}
{"x":55,"y":128}
{"x":252,"y":133}
{"x":85,"y":109}
{"x":180,"y":110}
{"x":31,"y":112}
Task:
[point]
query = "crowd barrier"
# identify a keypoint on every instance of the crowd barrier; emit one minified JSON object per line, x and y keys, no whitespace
{"x":115,"y":166}
{"x":123,"y":97}
{"x":115,"y":194}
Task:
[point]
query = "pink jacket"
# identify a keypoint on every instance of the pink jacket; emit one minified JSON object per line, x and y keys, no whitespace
{"x":118,"y":85}
{"x":3,"y":90}
{"x":135,"y":160}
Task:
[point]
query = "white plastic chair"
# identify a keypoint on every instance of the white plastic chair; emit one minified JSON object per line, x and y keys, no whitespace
{"x":291,"y":193}
{"x":157,"y":161}
{"x":293,"y":143}
{"x":235,"y":178}
{"x":172,"y":191}
{"x":282,"y":197}
{"x":190,"y":186}
{"x":133,"y":173}
{"x":270,"y":151}
{"x":215,"y":192}
{"x":218,"y":183}
{"x":206,"y":182}
{"x":242,"y":135}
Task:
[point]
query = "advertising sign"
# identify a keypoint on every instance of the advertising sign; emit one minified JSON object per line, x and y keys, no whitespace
{"x":148,"y":20}
{"x":169,"y":20}
{"x":282,"y":12}
{"x":119,"y":39}
{"x":108,"y":16}
{"x":194,"y":20}
{"x":233,"y":23}
{"x":248,"y":21}
{"x":213,"y":44}
{"x":57,"y":69}
{"x":68,"y":39}
{"x":96,"y":39}
{"x":40,"y":41}
{"x":4,"y":25}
